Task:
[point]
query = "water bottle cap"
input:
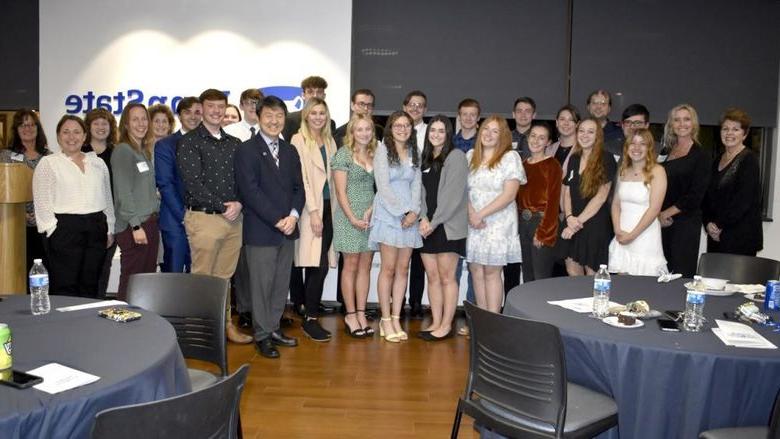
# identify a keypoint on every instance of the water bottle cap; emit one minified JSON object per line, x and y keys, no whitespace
{"x":37,"y":261}
{"x":603,"y":266}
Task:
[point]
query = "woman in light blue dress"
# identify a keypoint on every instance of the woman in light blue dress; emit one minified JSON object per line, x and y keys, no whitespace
{"x":394,"y":220}
{"x":496,"y":175}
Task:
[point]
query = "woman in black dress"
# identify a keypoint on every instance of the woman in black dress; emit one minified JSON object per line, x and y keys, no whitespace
{"x":444,"y":224}
{"x":732,"y":206}
{"x":687,"y":168}
{"x":586,"y":185}
{"x":28,"y":145}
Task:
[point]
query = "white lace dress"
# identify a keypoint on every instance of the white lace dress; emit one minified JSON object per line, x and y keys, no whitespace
{"x":497,"y":244}
{"x":644,"y":256}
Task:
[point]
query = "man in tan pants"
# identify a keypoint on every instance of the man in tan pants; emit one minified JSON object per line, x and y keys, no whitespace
{"x":213,"y":216}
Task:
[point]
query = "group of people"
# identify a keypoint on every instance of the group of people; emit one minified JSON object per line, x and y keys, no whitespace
{"x":271,"y":191}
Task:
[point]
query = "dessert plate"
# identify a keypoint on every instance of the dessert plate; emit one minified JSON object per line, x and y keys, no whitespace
{"x":728,"y":290}
{"x":613,"y":321}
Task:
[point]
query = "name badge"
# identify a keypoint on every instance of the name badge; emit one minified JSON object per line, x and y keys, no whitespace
{"x":142,"y":167}
{"x":571,"y":175}
{"x":17,"y":157}
{"x":425,"y":171}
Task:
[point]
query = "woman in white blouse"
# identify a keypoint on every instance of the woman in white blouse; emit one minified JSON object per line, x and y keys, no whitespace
{"x":74,"y":208}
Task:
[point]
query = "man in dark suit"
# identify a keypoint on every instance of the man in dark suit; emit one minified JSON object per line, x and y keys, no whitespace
{"x":176,"y":248}
{"x":270,"y":187}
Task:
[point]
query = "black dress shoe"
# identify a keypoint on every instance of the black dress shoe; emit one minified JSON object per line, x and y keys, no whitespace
{"x":266,"y":348}
{"x":245,"y":320}
{"x":428,"y":336}
{"x":300,"y":309}
{"x":313,"y":330}
{"x":286,"y":321}
{"x":416,"y":312}
{"x":279,"y":339}
{"x":325,"y":309}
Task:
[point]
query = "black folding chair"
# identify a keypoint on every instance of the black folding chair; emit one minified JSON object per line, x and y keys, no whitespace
{"x":194,"y":304}
{"x":211,"y":412}
{"x":738,"y":269}
{"x":758,"y":432}
{"x":517,"y":384}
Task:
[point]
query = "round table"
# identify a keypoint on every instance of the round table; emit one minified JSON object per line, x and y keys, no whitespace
{"x":666,"y":384}
{"x":137,"y":362}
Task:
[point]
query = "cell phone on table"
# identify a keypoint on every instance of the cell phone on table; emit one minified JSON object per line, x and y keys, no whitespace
{"x":20,"y":380}
{"x":668,"y":325}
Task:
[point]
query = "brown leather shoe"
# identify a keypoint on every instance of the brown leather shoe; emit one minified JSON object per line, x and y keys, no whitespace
{"x":236,"y":336}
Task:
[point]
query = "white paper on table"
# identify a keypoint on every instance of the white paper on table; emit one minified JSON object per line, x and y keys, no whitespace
{"x":579,"y":305}
{"x":740,"y":335}
{"x":58,"y":378}
{"x":101,"y":304}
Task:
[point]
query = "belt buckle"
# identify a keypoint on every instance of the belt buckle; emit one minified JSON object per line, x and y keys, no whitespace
{"x":526,"y":214}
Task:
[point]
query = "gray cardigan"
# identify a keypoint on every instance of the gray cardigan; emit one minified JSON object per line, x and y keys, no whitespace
{"x":452,"y":197}
{"x":135,"y":193}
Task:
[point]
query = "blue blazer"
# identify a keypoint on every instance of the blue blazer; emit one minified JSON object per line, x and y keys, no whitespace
{"x":268,"y":193}
{"x":169,"y":183}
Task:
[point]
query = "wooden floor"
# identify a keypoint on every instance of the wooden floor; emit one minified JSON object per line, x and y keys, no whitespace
{"x":354,"y":388}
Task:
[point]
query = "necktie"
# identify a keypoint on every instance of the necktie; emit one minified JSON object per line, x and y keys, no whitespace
{"x":275,"y":152}
{"x":253,"y":131}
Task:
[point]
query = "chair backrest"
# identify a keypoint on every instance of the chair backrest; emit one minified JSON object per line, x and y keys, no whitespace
{"x":518,"y":365}
{"x":194,"y":304}
{"x":774,"y":421}
{"x":738,"y":269}
{"x":211,"y":412}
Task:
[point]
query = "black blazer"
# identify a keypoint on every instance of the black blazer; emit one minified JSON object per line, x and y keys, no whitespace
{"x":267,"y":192}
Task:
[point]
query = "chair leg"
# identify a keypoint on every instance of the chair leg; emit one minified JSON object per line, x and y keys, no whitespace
{"x":456,"y":424}
{"x":239,"y":430}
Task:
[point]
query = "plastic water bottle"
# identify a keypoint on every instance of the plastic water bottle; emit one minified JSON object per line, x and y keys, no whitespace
{"x":602,"y":284}
{"x":694,"y":306}
{"x":39,"y":289}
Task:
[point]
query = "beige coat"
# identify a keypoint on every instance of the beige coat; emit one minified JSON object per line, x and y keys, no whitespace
{"x":315,"y":174}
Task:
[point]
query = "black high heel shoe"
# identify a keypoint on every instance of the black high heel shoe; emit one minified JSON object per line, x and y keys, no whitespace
{"x":354,"y":333}
{"x":368,"y":330}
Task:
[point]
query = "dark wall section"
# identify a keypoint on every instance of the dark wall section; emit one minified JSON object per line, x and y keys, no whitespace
{"x":19,"y":51}
{"x":709,"y":53}
{"x":493,"y":51}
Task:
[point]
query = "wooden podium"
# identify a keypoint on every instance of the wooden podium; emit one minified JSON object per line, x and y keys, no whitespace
{"x":15,"y":191}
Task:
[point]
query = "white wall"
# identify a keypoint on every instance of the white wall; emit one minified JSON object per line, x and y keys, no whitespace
{"x":179,"y":48}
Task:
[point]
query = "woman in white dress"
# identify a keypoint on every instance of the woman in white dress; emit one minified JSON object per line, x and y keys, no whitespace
{"x":641,"y":187}
{"x":496,"y":173}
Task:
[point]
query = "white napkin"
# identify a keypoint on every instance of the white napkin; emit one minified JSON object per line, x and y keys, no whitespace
{"x":668,"y":277}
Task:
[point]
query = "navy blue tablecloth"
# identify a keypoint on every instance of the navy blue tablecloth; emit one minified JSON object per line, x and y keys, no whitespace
{"x":666,"y":384}
{"x":137,"y":362}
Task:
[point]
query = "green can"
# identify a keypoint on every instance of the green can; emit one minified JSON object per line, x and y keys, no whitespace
{"x":6,"y":360}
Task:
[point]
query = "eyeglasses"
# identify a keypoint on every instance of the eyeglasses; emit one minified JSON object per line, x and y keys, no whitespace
{"x":28,"y":125}
{"x":364,"y":105}
{"x":415,"y":105}
{"x":401,"y":127}
{"x":599,"y":103}
{"x":634,"y":123}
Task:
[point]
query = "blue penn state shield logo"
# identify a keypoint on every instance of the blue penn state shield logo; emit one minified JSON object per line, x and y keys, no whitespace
{"x":290,"y":95}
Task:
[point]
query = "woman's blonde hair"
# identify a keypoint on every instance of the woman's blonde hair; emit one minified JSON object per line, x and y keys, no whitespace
{"x":305,"y":131}
{"x":349,"y":138}
{"x":647,"y":169}
{"x":670,"y":139}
